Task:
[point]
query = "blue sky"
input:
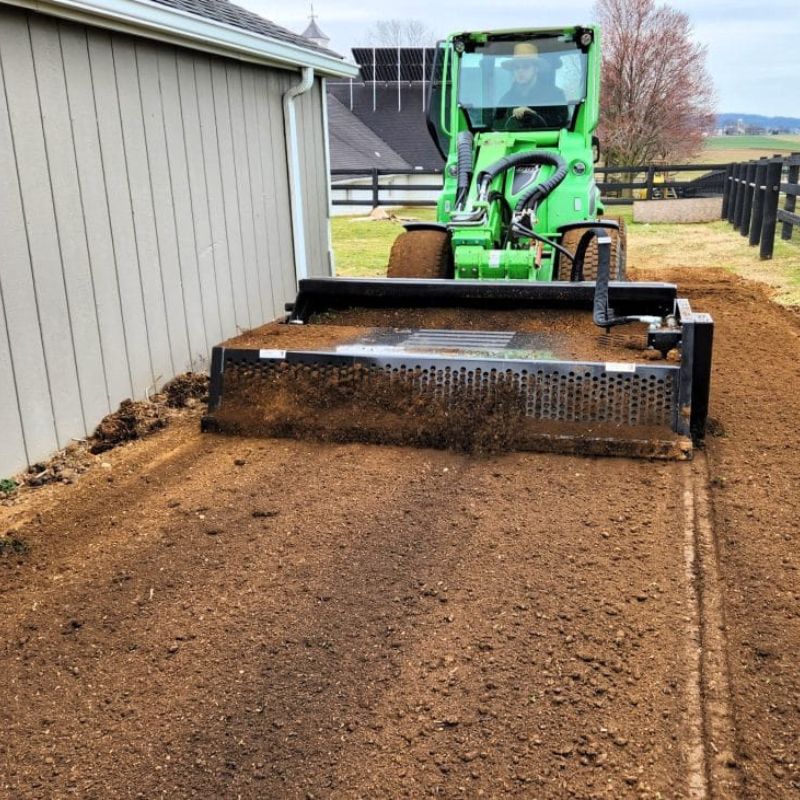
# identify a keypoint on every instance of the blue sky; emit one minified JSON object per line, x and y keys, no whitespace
{"x":753,"y":47}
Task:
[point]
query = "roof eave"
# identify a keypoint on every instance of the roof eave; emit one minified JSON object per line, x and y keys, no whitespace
{"x":178,"y":27}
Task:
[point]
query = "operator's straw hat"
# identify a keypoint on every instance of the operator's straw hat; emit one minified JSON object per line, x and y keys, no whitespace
{"x":526,"y":54}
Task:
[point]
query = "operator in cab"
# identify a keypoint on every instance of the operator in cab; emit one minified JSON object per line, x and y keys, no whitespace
{"x":533,"y":98}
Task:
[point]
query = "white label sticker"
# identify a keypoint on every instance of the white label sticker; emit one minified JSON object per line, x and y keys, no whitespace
{"x":272,"y":354}
{"x":494,"y":258}
{"x":619,"y":366}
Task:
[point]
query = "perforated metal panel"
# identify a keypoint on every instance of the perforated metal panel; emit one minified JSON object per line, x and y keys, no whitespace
{"x":557,"y":391}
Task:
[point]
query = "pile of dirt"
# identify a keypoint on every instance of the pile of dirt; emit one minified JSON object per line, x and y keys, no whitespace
{"x":132,"y":420}
{"x":186,"y":390}
{"x":64,"y":467}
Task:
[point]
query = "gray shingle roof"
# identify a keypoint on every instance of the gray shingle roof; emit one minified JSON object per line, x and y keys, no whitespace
{"x":354,"y":146}
{"x":223,"y":11}
{"x":404,"y":131}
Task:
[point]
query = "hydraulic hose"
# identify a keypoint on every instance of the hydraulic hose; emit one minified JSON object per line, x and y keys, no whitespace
{"x":602,"y":315}
{"x":538,"y":192}
{"x":464,"y":146}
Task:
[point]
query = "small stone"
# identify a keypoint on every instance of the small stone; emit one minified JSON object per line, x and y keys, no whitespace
{"x":213,"y":532}
{"x":239,"y":462}
{"x":105,"y":465}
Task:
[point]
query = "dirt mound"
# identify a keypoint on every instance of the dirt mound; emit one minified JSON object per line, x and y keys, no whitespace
{"x":132,"y":420}
{"x":185,"y":389}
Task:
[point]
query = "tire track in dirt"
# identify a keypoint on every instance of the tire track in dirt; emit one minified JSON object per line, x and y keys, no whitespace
{"x":754,"y":473}
{"x":716,"y":719}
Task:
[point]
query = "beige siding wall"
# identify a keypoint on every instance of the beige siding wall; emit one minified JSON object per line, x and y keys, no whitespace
{"x":144,"y":216}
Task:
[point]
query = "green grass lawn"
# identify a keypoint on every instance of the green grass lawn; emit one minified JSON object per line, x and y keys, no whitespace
{"x":362,"y":246}
{"x":769,"y":144}
{"x":728,"y":149}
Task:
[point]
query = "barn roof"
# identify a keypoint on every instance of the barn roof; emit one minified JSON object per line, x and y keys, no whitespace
{"x":214,"y":26}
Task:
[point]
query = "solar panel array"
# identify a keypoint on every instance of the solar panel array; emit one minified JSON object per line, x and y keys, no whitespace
{"x":384,"y":64}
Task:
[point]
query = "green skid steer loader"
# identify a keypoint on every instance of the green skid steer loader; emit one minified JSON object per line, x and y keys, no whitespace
{"x":513,"y":113}
{"x":493,"y":327}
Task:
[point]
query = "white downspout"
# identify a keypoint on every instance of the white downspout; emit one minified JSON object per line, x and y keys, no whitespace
{"x":295,"y":178}
{"x":327,"y":143}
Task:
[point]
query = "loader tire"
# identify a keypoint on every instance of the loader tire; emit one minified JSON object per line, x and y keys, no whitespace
{"x":619,"y":250}
{"x":421,"y":254}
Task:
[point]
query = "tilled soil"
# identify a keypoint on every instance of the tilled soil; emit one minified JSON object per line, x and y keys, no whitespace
{"x":228,"y":617}
{"x":346,"y":621}
{"x":755,"y":483}
{"x":574,"y":334}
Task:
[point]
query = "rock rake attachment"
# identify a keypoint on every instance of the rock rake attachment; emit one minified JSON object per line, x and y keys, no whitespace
{"x":473,"y":389}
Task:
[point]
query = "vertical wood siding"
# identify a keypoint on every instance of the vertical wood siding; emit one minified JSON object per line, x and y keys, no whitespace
{"x":144,"y":216}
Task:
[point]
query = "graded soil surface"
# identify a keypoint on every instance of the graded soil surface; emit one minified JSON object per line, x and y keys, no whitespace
{"x":237,"y":617}
{"x":576,"y":336}
{"x":754,"y":460}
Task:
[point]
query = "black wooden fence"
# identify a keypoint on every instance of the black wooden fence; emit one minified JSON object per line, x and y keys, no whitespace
{"x":751,"y":200}
{"x":617,"y":184}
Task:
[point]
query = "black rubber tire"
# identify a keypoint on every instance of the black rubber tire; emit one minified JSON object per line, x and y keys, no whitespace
{"x":619,"y":252}
{"x":421,"y":254}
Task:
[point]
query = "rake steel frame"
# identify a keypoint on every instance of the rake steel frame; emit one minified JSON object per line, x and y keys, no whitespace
{"x":687,"y":384}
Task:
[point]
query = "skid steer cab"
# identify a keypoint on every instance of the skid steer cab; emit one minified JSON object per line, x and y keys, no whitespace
{"x":514,"y":113}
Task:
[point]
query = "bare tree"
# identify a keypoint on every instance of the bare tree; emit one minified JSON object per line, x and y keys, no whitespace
{"x":657,"y":98}
{"x":400,"y":33}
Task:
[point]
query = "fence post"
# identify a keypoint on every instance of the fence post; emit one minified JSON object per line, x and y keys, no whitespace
{"x":726,"y":191}
{"x":375,"y":191}
{"x":739,"y":209}
{"x":771,"y":193}
{"x":734,"y":193}
{"x":791,"y":199}
{"x":651,"y":174}
{"x":747,"y":206}
{"x":758,"y":201}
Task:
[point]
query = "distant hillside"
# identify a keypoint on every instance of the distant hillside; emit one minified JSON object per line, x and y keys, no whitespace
{"x":758,"y":121}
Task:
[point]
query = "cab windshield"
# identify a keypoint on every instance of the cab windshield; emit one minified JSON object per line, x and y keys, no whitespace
{"x":522,"y":84}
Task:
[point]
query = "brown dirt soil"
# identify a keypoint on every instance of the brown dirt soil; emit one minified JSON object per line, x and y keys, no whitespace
{"x":577,"y":336}
{"x":755,"y":480}
{"x":230,"y":617}
{"x":185,"y":388}
{"x":254,"y":618}
{"x":420,"y":254}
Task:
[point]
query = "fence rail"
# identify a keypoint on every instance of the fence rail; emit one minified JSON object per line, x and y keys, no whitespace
{"x":751,"y":200}
{"x":712,"y":182}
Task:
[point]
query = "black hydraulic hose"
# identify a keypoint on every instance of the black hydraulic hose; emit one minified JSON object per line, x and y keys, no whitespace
{"x":540,"y":190}
{"x":531,"y":234}
{"x":464,"y":175}
{"x":537,"y":193}
{"x":602,"y":315}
